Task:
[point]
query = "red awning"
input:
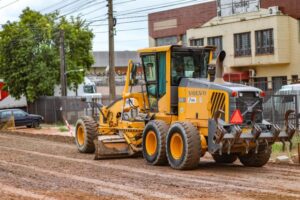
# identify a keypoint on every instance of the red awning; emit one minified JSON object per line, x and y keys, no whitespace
{"x":236,"y":76}
{"x":3,"y":94}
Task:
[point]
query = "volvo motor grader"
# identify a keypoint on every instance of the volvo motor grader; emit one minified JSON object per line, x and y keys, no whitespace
{"x":182,"y":113}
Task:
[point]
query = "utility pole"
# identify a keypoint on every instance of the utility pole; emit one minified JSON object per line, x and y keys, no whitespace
{"x":111,"y":73}
{"x":62,"y":63}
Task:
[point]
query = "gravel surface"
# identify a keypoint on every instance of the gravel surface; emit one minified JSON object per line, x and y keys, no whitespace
{"x":43,"y":168}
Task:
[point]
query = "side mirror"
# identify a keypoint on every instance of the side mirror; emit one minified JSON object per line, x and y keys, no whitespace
{"x":133,"y":79}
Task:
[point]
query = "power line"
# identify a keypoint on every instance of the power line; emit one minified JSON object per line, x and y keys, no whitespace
{"x":67,"y":5}
{"x":11,"y":3}
{"x":123,"y":30}
{"x":90,"y":4}
{"x":150,"y":8}
{"x":53,"y":5}
{"x":124,"y":2}
{"x":165,"y":5}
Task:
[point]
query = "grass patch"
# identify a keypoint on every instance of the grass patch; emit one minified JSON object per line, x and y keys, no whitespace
{"x":277,"y":147}
{"x":63,"y":129}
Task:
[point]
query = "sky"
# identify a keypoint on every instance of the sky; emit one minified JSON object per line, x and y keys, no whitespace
{"x":132,"y":24}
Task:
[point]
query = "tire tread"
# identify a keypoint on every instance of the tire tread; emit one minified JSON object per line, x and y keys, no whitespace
{"x":90,"y":134}
{"x":162,"y":128}
{"x":256,"y":160}
{"x":193,"y":153}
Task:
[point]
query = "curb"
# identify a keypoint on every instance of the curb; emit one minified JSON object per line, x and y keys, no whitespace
{"x":54,"y":138}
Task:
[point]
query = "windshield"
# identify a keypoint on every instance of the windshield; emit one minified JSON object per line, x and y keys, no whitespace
{"x":189,"y":64}
{"x":88,"y":89}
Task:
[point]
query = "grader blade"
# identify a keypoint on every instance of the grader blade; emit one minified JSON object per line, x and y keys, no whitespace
{"x":111,"y":146}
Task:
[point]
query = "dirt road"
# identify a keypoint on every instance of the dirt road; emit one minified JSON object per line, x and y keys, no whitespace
{"x":32,"y":168}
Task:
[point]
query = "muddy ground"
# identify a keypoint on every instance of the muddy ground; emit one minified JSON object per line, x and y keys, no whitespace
{"x":39,"y":168}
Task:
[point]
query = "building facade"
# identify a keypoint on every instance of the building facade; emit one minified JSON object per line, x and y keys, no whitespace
{"x":121,"y":62}
{"x":261,"y":47}
{"x":262,"y":41}
{"x":169,"y":27}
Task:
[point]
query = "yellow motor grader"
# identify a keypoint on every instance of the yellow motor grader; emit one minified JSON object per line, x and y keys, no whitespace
{"x":182,"y":113}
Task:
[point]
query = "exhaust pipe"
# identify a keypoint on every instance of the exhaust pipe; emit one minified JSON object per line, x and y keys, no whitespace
{"x":219,"y":68}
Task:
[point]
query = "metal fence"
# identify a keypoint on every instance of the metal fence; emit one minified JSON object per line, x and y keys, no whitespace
{"x":277,"y":105}
{"x":55,"y":109}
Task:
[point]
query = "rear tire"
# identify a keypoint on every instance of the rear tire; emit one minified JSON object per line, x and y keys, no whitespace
{"x":86,"y":131}
{"x":154,"y":142}
{"x":256,"y":160}
{"x":183,"y":146}
{"x":224,"y":158}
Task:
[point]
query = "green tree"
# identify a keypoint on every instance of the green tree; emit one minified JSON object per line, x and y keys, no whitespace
{"x":29,"y":53}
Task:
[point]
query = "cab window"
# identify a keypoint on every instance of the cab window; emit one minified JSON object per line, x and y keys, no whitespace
{"x":189,"y":65}
{"x":150,"y":67}
{"x":88,"y":89}
{"x":155,"y":77}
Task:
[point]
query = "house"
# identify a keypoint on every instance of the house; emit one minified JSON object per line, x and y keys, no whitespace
{"x":121,"y":61}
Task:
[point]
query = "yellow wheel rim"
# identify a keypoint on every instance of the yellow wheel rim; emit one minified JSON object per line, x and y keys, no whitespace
{"x":80,"y":135}
{"x":176,"y":146}
{"x":151,"y":143}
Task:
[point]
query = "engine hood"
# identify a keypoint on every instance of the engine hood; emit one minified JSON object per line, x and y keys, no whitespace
{"x":226,"y":86}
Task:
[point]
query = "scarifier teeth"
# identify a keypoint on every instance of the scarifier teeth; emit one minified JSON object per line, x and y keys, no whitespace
{"x":256,"y":131}
{"x":247,"y":146}
{"x":257,"y":146}
{"x":275,"y":132}
{"x":283,"y":144}
{"x":219,"y":136}
{"x":237,"y":134}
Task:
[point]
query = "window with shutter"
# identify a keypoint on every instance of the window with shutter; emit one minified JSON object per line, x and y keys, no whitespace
{"x":197,"y":42}
{"x":215,"y":41}
{"x":242,"y":44}
{"x":264,"y":41}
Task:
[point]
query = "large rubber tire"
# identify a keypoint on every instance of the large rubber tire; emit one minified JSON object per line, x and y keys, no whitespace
{"x":183,"y":146}
{"x":224,"y":158}
{"x":256,"y":160}
{"x":86,"y":131}
{"x":154,"y":142}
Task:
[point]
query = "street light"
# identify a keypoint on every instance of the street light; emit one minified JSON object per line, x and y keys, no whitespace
{"x":65,"y":76}
{"x":74,"y":70}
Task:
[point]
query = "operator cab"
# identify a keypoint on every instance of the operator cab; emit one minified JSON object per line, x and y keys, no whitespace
{"x":189,"y":63}
{"x":165,"y":67}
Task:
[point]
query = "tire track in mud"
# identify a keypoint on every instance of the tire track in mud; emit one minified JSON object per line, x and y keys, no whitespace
{"x":113,"y":188}
{"x":38,"y":141}
{"x":218,"y":182}
{"x":23,"y":193}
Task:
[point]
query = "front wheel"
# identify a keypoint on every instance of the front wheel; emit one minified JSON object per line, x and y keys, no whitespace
{"x":35,"y":124}
{"x":86,"y":131}
{"x":154,"y":142}
{"x":224,"y":158}
{"x":258,"y":159}
{"x":183,"y":146}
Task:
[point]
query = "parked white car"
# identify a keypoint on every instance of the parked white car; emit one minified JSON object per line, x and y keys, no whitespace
{"x":287,"y":98}
{"x":87,"y":88}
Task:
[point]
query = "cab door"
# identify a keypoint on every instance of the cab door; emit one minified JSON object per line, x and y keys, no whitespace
{"x":155,"y":77}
